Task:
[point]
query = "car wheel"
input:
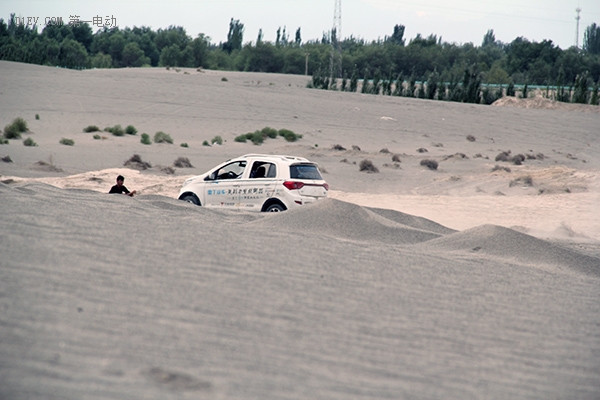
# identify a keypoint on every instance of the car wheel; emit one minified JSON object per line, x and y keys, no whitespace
{"x":275,"y":207}
{"x":190,"y":198}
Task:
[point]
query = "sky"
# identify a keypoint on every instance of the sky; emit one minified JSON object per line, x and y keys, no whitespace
{"x":456,"y":21}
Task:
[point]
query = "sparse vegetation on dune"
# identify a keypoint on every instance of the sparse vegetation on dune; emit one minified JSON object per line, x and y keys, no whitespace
{"x":15,"y":128}
{"x":183,"y":162}
{"x":67,"y":142}
{"x":116,"y":130}
{"x":29,"y":142}
{"x":431,"y":164}
{"x":91,"y":128}
{"x":145,"y":139}
{"x":258,"y":137}
{"x":130,"y":130}
{"x":526,"y":180}
{"x":161,"y":137}
{"x":136,"y":162}
{"x":367,"y":166}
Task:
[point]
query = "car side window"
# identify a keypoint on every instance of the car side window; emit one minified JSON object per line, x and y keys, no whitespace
{"x":233,"y":170}
{"x":262,"y":169}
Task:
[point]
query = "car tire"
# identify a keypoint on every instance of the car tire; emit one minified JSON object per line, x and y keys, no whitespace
{"x":190,"y":198}
{"x":275,"y":207}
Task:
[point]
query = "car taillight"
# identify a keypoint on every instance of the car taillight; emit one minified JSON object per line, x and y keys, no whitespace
{"x":326,"y":186}
{"x":291,"y":185}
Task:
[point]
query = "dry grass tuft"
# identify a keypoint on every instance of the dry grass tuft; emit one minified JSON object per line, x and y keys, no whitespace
{"x":431,"y":164}
{"x":183,"y":162}
{"x":136,"y":162}
{"x":367,"y":166}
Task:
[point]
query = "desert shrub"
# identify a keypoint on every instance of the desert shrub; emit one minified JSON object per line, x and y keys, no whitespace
{"x":97,"y":137}
{"x":205,"y":143}
{"x":224,"y":79}
{"x":289,"y":135}
{"x":500,"y":168}
{"x":29,"y":142}
{"x":3,"y":140}
{"x":37,"y":116}
{"x":217,"y":139}
{"x":183,"y":162}
{"x":503,"y":156}
{"x":91,"y":128}
{"x":116,"y":130}
{"x":15,"y":128}
{"x":431,"y":164}
{"x":470,"y":138}
{"x":167,"y":170}
{"x":422,"y":150}
{"x":356,"y":148}
{"x":396,"y":158}
{"x":522,"y":181}
{"x":518,"y":159}
{"x":184,"y":145}
{"x":338,"y":147}
{"x":384,"y":151}
{"x":256,"y":137}
{"x":7,"y":159}
{"x":161,"y":137}
{"x":270,"y":132}
{"x":239,"y":139}
{"x":130,"y":130}
{"x":145,"y":139}
{"x":136,"y":162}
{"x":367,"y":166}
{"x":67,"y":142}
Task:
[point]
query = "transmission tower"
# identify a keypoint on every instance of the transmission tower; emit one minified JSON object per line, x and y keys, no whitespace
{"x":577,"y":18}
{"x":335,"y":65}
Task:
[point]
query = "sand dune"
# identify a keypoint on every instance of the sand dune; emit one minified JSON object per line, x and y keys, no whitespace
{"x":495,"y":240}
{"x":348,"y":221}
{"x":476,"y":280}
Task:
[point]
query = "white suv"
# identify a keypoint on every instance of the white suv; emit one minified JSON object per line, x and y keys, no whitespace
{"x":257,"y":182}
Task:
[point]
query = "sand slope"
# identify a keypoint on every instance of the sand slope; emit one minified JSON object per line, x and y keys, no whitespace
{"x":105,"y":296}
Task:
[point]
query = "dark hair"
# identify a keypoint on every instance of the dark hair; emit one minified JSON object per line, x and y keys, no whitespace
{"x":120,"y":178}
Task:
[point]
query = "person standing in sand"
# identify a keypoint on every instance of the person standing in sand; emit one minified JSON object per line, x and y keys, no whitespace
{"x":120,"y":188}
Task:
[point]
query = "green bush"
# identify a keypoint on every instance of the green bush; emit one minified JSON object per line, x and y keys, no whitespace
{"x":29,"y":142}
{"x":161,"y":137}
{"x":205,"y":143}
{"x":3,"y":140}
{"x":240,"y":139}
{"x":217,"y":139}
{"x":14,"y":130}
{"x":145,"y":139}
{"x":270,"y":132}
{"x":37,"y":116}
{"x":289,"y":135}
{"x":116,"y":130}
{"x":130,"y":130}
{"x":67,"y":142}
{"x":184,"y":145}
{"x":91,"y":128}
{"x":256,"y":137}
{"x":97,"y":137}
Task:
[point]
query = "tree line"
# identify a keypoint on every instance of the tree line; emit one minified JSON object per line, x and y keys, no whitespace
{"x":387,"y":60}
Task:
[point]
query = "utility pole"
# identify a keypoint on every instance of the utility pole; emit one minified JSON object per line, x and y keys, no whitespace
{"x":577,"y":18}
{"x":335,"y":64}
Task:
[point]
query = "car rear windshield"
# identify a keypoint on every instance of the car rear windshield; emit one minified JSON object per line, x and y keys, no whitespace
{"x":305,"y":171}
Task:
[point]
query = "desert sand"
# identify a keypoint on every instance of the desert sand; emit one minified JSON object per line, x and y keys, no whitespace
{"x":480,"y":279}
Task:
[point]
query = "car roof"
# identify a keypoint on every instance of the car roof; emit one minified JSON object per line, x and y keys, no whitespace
{"x":277,"y":157}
